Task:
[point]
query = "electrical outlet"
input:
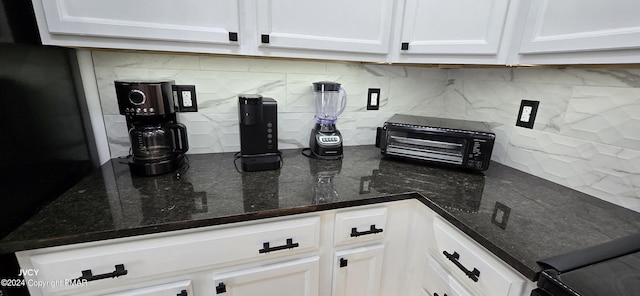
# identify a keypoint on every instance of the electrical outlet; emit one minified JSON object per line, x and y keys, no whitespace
{"x":373,"y":99}
{"x":527,"y":113}
{"x":185,"y":98}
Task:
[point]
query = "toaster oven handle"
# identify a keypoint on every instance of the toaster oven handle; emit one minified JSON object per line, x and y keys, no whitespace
{"x":381,"y":139}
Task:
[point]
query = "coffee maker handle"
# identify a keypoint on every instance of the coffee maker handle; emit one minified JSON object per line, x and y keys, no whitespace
{"x":343,"y":103}
{"x":181,"y":142}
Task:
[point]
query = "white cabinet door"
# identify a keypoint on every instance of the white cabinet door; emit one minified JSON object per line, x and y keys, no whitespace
{"x":444,"y":29}
{"x":202,"y":21}
{"x":361,"y":26}
{"x":357,"y":271}
{"x":578,"y":26}
{"x":297,"y":277}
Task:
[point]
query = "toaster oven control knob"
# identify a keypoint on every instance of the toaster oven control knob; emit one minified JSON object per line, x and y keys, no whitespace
{"x":137,"y":97}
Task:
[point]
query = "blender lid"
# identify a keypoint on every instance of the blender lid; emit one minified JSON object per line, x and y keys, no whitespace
{"x":326,"y":86}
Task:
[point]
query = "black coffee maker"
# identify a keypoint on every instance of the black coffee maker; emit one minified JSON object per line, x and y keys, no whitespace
{"x":258,"y":120}
{"x":158,"y":141}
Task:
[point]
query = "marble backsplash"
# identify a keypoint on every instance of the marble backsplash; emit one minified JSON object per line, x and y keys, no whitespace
{"x":586,"y":135}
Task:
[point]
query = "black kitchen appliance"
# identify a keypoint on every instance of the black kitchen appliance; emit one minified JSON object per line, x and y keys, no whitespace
{"x":611,"y":269}
{"x":453,"y":142}
{"x":329,"y":99}
{"x":158,"y":141}
{"x":258,"y":118}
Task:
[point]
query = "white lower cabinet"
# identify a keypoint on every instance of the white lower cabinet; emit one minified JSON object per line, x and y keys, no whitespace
{"x":395,"y":248}
{"x":113,"y":265}
{"x":182,"y":288}
{"x":297,"y":277}
{"x":358,"y":271}
{"x":473,"y":266}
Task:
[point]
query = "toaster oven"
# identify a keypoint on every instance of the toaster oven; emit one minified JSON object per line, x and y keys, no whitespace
{"x":459,"y":143}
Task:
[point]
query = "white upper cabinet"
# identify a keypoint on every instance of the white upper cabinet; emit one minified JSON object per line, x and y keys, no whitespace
{"x":357,"y":26}
{"x":456,"y":31}
{"x":500,"y":32}
{"x":578,"y":31}
{"x":128,"y":24}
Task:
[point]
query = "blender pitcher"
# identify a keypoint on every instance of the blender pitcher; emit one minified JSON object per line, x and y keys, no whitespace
{"x":329,"y":99}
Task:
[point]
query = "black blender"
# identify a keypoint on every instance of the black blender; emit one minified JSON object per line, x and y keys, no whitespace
{"x":330,"y":99}
{"x":158,"y":141}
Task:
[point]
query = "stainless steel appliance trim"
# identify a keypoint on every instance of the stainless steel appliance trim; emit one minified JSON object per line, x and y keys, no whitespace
{"x":427,"y":143}
{"x":426,"y":149}
{"x":424,"y":154}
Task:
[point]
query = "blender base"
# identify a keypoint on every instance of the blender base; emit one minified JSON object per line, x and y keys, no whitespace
{"x":326,"y":145}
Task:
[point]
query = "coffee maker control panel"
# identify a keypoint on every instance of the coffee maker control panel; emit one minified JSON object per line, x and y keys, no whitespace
{"x":145,"y":98}
{"x":139,"y":111}
{"x":137,"y":97}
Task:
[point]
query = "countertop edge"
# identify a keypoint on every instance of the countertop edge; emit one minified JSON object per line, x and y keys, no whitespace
{"x":13,"y":247}
{"x":183,"y":225}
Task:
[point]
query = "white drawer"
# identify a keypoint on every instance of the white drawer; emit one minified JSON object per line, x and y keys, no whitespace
{"x":149,"y":257}
{"x":182,"y":288}
{"x":494,"y":278}
{"x":360,"y":225}
{"x":437,"y":281}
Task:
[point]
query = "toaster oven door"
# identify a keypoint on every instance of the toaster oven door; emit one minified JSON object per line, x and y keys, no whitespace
{"x":426,"y":146}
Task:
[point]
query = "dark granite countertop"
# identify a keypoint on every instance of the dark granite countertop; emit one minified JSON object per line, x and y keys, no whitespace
{"x":518,"y":217}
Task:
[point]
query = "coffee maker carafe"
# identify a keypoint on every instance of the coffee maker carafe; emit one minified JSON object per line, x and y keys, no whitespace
{"x":330,"y":99}
{"x":158,"y":141}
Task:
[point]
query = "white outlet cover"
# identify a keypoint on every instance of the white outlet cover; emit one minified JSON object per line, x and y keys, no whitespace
{"x":186,"y":98}
{"x":526,"y":113}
